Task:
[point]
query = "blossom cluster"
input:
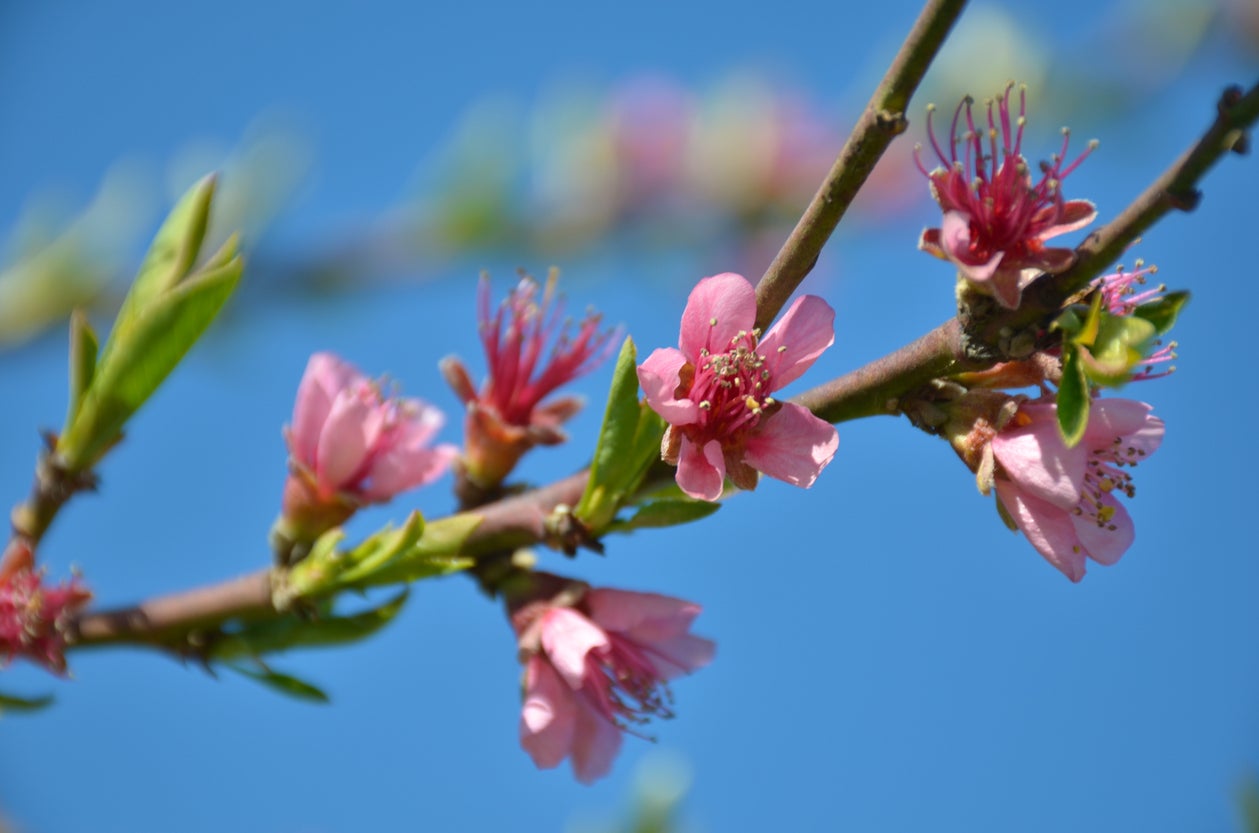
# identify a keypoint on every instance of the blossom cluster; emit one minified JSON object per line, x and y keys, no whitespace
{"x":34,"y":615}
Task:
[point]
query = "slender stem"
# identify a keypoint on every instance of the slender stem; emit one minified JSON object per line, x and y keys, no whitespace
{"x":881,"y":122}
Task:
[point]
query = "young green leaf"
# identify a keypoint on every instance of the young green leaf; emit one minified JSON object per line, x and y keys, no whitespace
{"x":83,"y":350}
{"x":260,"y":638}
{"x":629,"y":441}
{"x":1073,"y":396}
{"x":285,"y":684}
{"x":1162,"y":313}
{"x":13,"y":703}
{"x":667,"y":512}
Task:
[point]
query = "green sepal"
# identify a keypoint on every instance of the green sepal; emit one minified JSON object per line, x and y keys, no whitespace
{"x":1073,"y":396}
{"x":629,"y":441}
{"x":1004,"y":514}
{"x":285,"y":684}
{"x":668,"y":512}
{"x":13,"y":703}
{"x":83,"y":349}
{"x":1162,"y":313}
{"x":256,"y":639}
{"x":435,"y":554}
{"x":155,"y":342}
{"x":414,"y":551}
{"x":169,"y":259}
{"x":1120,"y":345}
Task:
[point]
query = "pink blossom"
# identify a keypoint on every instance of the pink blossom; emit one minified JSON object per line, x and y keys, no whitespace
{"x":996,"y":221}
{"x":1065,"y":500}
{"x":715,"y":391}
{"x":34,"y":617}
{"x":597,"y":665}
{"x":508,"y":417}
{"x":350,"y":444}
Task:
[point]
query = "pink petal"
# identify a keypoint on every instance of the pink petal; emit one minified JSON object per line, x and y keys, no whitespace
{"x":792,"y":445}
{"x":1049,"y":528}
{"x":407,"y":467}
{"x":595,"y":744}
{"x":548,"y":718}
{"x":1110,"y":419}
{"x":1006,"y":285}
{"x":659,"y":377}
{"x":1050,"y":260}
{"x":701,"y":471}
{"x":680,"y":655}
{"x":1104,"y":545}
{"x":730,"y":301}
{"x":350,"y":432}
{"x":804,"y":332}
{"x":645,"y":616}
{"x":567,"y":637}
{"x":929,"y":242}
{"x":1076,"y":214}
{"x":1035,"y":457}
{"x":325,"y":376}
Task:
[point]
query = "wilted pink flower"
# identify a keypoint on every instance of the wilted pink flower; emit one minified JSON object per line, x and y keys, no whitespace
{"x":1065,"y":500}
{"x":715,"y":390}
{"x":507,"y":417}
{"x":33,"y":617}
{"x":350,"y":445}
{"x":597,"y":664}
{"x":996,"y":221}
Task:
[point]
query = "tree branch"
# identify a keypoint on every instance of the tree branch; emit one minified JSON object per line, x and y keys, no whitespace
{"x":881,"y":122}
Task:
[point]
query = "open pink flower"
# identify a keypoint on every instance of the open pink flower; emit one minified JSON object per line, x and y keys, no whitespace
{"x":33,"y":616}
{"x":507,"y":417}
{"x":350,"y":444}
{"x":715,"y":390}
{"x":996,"y":220}
{"x":1065,"y":500}
{"x":598,"y":665}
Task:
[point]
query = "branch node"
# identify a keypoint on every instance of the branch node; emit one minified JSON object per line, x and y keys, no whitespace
{"x":891,"y":122}
{"x":1184,"y":199}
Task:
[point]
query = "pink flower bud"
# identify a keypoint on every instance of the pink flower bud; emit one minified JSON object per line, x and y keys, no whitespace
{"x":350,"y":444}
{"x":597,"y":663}
{"x":715,"y":391}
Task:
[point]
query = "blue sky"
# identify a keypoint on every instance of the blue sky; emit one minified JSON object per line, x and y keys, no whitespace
{"x":889,"y":656}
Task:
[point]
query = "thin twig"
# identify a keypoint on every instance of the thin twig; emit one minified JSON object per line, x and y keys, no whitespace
{"x":882,"y":121}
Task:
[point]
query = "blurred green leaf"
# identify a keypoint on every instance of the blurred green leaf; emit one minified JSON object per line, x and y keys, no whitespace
{"x":285,"y":684}
{"x":83,"y":349}
{"x":13,"y":703}
{"x":1073,"y":396}
{"x":629,"y":441}
{"x":260,"y":638}
{"x":1163,"y":312}
{"x":668,"y":512}
{"x":156,"y":341}
{"x":170,"y":257}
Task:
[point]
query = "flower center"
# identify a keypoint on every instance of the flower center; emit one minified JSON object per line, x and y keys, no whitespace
{"x":625,"y":686}
{"x":1104,"y":476}
{"x":732,"y":387}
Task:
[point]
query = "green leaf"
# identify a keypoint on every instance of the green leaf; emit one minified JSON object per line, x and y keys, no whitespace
{"x":629,"y":441}
{"x":285,"y":684}
{"x":1121,"y":344}
{"x":1073,"y":397}
{"x":170,"y":257}
{"x":13,"y":703}
{"x":662,"y":513}
{"x":256,"y":639}
{"x":436,"y":553}
{"x":157,"y":340}
{"x":83,"y":349}
{"x":1163,"y":312}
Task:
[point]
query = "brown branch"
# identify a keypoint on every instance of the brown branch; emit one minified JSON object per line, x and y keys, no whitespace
{"x":882,"y":121}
